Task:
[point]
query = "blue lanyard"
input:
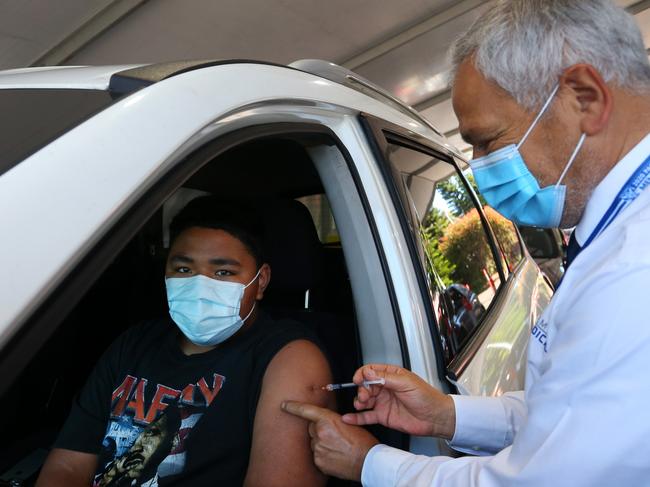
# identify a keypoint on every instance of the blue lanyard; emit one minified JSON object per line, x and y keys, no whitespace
{"x":628,"y":193}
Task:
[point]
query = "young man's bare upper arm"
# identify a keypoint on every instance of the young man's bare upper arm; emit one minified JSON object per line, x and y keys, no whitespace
{"x":281,"y":452}
{"x":67,"y":468}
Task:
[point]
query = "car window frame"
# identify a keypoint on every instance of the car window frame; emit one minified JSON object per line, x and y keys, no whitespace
{"x":380,"y":134}
{"x":493,"y":243}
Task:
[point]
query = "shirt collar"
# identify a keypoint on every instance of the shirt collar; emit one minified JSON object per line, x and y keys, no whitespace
{"x":609,"y":187}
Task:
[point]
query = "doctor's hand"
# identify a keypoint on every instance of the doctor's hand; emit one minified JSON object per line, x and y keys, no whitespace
{"x":339,"y":449}
{"x":405,"y":403}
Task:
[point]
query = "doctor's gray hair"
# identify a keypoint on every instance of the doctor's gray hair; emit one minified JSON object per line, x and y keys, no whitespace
{"x":525,"y":45}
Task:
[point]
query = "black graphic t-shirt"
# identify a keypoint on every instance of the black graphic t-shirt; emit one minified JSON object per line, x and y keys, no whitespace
{"x":158,"y":417}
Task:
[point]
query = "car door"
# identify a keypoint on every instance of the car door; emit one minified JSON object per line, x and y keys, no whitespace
{"x":482,"y":294}
{"x":337,"y":158}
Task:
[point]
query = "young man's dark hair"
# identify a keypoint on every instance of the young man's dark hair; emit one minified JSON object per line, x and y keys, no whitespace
{"x":194,"y":399}
{"x":239,"y":219}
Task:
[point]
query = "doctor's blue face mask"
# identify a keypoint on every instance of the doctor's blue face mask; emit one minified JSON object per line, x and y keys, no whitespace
{"x":509,"y":187}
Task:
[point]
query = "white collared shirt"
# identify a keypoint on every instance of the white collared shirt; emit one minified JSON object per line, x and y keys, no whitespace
{"x":584,"y":417}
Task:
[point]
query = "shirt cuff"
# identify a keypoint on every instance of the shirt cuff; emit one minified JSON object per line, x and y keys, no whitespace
{"x":381,"y":466}
{"x":481,"y":425}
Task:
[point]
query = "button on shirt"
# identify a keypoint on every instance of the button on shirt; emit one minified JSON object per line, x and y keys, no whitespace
{"x":583,"y":419}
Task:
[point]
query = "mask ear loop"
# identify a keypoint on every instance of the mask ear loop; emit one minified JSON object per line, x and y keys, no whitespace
{"x":539,"y":115}
{"x":255,"y":303}
{"x":253,"y":280}
{"x":572,"y":158}
{"x":249,"y":313}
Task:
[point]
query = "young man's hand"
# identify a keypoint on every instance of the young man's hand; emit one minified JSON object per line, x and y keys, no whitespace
{"x":405,"y":403}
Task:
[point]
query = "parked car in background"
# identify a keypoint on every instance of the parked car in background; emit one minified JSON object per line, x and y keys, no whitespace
{"x":374,"y":234}
{"x":548,"y":247}
{"x":468,"y":311}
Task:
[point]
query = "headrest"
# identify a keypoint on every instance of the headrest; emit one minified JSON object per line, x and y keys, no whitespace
{"x":291,"y":245}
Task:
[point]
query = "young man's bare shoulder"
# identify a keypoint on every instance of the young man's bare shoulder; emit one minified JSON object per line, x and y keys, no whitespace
{"x":299,"y":369}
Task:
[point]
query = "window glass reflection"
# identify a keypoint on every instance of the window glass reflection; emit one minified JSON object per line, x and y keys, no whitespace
{"x":454,"y":247}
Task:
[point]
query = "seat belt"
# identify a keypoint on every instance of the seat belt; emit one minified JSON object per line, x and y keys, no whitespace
{"x":25,"y":469}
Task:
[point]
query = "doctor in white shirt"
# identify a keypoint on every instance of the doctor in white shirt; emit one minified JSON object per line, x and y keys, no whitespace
{"x":554,"y":96}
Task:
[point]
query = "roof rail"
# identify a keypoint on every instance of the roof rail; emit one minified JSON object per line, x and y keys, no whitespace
{"x":133,"y":79}
{"x":344,"y":76}
{"x":130,"y":80}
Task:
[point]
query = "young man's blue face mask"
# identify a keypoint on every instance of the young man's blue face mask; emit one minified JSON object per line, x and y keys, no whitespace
{"x":206,"y":310}
{"x":509,"y":187}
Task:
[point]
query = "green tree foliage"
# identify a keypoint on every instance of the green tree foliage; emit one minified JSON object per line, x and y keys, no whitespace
{"x":436,"y":222}
{"x":457,"y":197}
{"x":464,"y":244}
{"x":458,"y":249}
{"x":505,"y":232}
{"x":470,"y":179}
{"x":433,"y":231}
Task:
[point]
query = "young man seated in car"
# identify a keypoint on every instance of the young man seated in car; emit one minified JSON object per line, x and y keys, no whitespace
{"x":195,"y":399}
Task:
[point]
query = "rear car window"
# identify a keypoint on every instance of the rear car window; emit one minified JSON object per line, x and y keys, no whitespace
{"x":32,"y":118}
{"x":321,"y":213}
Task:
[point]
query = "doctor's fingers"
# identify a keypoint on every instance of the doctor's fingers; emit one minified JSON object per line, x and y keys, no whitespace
{"x":339,"y":449}
{"x":360,"y":419}
{"x":308,"y":411}
{"x":372,"y":372}
{"x":365,"y":395}
{"x":322,"y":432}
{"x":395,"y":378}
{"x":313,"y":442}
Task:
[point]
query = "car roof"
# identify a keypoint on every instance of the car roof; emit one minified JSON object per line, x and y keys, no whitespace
{"x":104,"y":77}
{"x":125,"y":79}
{"x":61,"y":77}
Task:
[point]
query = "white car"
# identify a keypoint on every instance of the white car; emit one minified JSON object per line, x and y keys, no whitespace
{"x":371,"y":215}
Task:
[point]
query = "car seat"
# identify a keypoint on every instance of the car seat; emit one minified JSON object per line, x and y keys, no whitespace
{"x":300,"y":288}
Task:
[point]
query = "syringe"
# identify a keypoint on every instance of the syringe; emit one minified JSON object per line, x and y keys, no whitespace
{"x":366,"y":383}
